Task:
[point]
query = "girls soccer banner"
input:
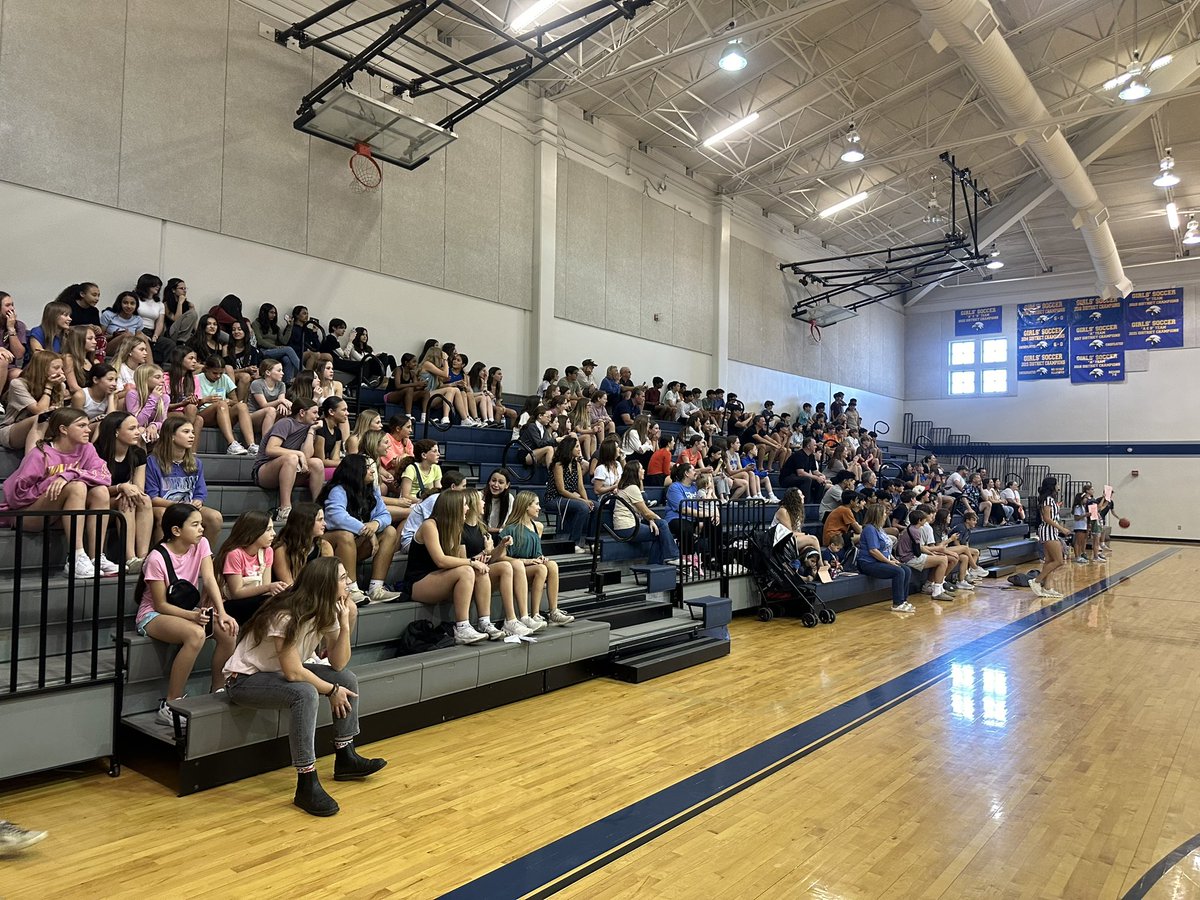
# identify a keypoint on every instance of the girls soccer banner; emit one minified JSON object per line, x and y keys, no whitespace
{"x":1098,"y":340}
{"x":1042,"y":338}
{"x":981,"y":320}
{"x":1154,"y":319}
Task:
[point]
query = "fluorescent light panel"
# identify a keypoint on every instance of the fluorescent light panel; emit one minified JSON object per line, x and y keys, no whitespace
{"x":534,"y":12}
{"x":843,"y":204}
{"x":730,"y":129}
{"x":1173,"y":216}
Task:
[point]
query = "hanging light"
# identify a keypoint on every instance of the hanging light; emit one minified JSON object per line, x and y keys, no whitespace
{"x":853,"y":152}
{"x":995,"y":262}
{"x":1173,"y":216}
{"x":732,"y":60}
{"x":730,"y":129}
{"x":1135,"y":88}
{"x":1192,"y":235}
{"x":1166,"y":178}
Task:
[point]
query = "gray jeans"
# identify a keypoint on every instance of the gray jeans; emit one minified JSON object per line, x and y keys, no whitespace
{"x":270,"y":690}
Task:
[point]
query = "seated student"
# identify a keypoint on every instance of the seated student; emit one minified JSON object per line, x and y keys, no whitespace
{"x":1002,"y":510}
{"x":328,"y":441}
{"x":452,"y":480}
{"x":687,"y":517}
{"x":439,"y":572}
{"x":330,"y":386}
{"x":876,"y":560}
{"x":180,"y":316}
{"x":937,"y":534}
{"x":578,"y":423}
{"x":242,"y":358}
{"x":658,"y":470}
{"x":831,"y":556}
{"x":244,"y":565}
{"x":549,"y":381}
{"x":843,"y":481}
{"x":52,"y":333}
{"x":179,"y":599}
{"x":898,"y":517}
{"x":636,"y":443}
{"x":566,"y":494}
{"x":121,"y":318}
{"x":608,"y":468}
{"x":642,"y":523}
{"x":478,"y":395}
{"x":919,"y":557}
{"x":598,"y":416}
{"x":973,"y":494}
{"x":790,"y":515}
{"x":63,"y":471}
{"x":801,"y":470}
{"x":371,"y":446}
{"x":538,"y":439}
{"x":147,"y":401}
{"x":118,"y":440}
{"x":611,"y":384}
{"x":40,"y":389}
{"x":269,"y":669}
{"x":360,"y":526}
{"x":1012,"y":497}
{"x":332,"y":345}
{"x":398,"y":451}
{"x":689,"y":405}
{"x":287,"y":453}
{"x":79,"y":355}
{"x":506,"y":416}
{"x":301,"y":334}
{"x":268,"y":397}
{"x":627,"y":410}
{"x":300,"y":541}
{"x":571,"y":382}
{"x":525,"y":532}
{"x":134,"y":351}
{"x":434,"y":373}
{"x":208,"y":339}
{"x":270,"y":341}
{"x":653,"y":398}
{"x":183,"y":397}
{"x":175,"y":474}
{"x":507,"y":574}
{"x":216,"y":387}
{"x":98,"y":396}
{"x":750,"y":461}
{"x":843,"y":519}
{"x":423,"y":472}
{"x":407,"y":386}
{"x":497,"y":501}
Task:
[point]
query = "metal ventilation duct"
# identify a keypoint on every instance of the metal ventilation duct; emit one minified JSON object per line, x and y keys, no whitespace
{"x":969,"y":27}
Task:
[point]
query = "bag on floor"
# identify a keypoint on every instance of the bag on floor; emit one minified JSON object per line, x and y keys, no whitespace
{"x":1022,"y":579}
{"x":422,"y":636}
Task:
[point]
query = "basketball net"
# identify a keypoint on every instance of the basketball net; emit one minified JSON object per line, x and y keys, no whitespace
{"x":367,"y":174}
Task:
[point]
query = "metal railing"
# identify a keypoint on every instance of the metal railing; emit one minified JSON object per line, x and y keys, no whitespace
{"x":601,"y":523}
{"x":713,"y":540}
{"x":70,"y":647}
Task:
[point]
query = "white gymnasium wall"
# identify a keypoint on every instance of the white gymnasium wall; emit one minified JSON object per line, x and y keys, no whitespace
{"x":1155,"y":403}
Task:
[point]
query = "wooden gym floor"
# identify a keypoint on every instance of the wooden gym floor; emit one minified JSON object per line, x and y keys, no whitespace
{"x":991,"y":747}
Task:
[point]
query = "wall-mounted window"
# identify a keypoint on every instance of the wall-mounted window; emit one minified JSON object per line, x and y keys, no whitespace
{"x":978,"y":366}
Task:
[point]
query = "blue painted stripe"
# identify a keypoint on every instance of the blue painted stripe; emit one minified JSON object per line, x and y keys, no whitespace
{"x":1142,"y":886}
{"x":1130,"y":449}
{"x":553,"y":867}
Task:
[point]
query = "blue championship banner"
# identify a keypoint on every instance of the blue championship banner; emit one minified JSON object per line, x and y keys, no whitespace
{"x":1154,"y":319}
{"x":1042,"y":339}
{"x":979,"y":321}
{"x":1098,"y":340}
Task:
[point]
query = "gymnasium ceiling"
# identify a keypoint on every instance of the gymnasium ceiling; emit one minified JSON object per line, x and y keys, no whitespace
{"x":816,"y":66}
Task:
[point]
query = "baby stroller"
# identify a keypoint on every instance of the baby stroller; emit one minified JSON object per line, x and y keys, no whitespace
{"x":774,"y":568}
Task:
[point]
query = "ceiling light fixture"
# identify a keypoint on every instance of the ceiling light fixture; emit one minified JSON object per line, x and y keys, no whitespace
{"x":1166,"y":178}
{"x":1135,"y":88}
{"x":730,"y":129}
{"x":995,"y":262}
{"x":1192,"y":236}
{"x":534,"y":12}
{"x":733,"y":60}
{"x":842,"y":204}
{"x":853,"y":152}
{"x":1173,"y":216}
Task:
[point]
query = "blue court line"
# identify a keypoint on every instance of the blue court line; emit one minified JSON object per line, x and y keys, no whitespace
{"x":1142,"y":886}
{"x":551,"y":868}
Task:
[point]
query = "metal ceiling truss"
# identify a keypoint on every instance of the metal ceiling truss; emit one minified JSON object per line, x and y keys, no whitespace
{"x":470,"y":82}
{"x":876,"y":275}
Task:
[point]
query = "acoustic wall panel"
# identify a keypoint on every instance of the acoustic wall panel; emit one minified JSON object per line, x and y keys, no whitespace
{"x":585,"y":252}
{"x":414,"y":213}
{"x":562,"y":214}
{"x":173,"y":110}
{"x":473,"y":209}
{"x":264,"y":170}
{"x":658,"y":270}
{"x":517,"y":190}
{"x":61,"y":70}
{"x":691,"y":303}
{"x":623,"y":259}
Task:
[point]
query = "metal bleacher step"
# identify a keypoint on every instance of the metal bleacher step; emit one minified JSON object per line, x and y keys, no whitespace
{"x":648,"y":635}
{"x":652,"y":649}
{"x":631,"y":613}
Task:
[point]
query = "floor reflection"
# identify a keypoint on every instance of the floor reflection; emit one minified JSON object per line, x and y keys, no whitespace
{"x":979,"y":687}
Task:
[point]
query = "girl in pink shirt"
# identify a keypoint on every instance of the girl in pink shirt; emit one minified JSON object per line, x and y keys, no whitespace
{"x":147,"y":401}
{"x":243,"y":565}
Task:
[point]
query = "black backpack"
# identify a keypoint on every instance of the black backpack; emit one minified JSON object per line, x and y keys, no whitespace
{"x":1022,"y":579}
{"x":422,"y":636}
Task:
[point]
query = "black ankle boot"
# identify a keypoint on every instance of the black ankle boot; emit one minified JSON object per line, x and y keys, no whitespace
{"x":311,"y":797}
{"x":349,"y":766}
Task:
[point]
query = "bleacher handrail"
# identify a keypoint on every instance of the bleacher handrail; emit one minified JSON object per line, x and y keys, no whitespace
{"x":881,"y":431}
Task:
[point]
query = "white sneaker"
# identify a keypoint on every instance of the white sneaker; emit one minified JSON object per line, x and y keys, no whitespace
{"x":493,"y":633}
{"x":558,"y":617}
{"x":446,"y":420}
{"x":14,"y":838}
{"x":513,"y":628}
{"x":1051,"y":594}
{"x":927,"y":587}
{"x":252,"y":450}
{"x":938,"y":592}
{"x":1081,"y":560}
{"x":107,"y":566}
{"x":383,"y":595}
{"x":771,"y":498}
{"x":465,"y":634}
{"x":82,"y":566}
{"x":468,"y":422}
{"x":167,"y":716}
{"x":1036,"y":587}
{"x":904,"y":607}
{"x":965,"y":586}
{"x":531,"y":624}
{"x":236,"y":449}
{"x":978,"y":572}
{"x":281,"y":515}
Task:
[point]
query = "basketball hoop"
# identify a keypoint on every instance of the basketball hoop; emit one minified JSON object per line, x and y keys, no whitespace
{"x":367,"y":174}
